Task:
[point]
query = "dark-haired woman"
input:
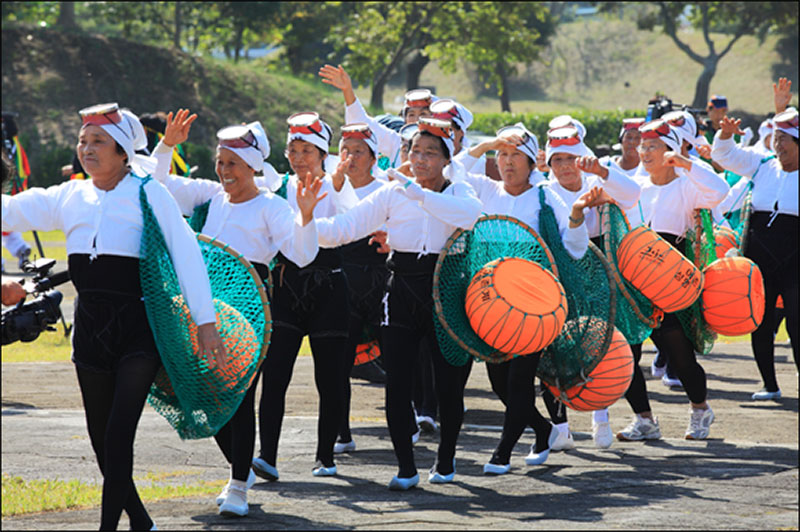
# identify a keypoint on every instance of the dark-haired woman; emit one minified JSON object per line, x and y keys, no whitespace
{"x":113,"y":348}
{"x":419,"y":215}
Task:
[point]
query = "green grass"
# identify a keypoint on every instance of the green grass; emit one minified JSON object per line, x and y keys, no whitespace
{"x":30,"y":496}
{"x":53,"y":242}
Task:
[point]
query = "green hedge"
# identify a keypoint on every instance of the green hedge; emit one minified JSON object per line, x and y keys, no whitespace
{"x":602,"y":127}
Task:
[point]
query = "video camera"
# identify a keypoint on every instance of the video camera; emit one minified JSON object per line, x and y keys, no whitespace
{"x":661,"y":105}
{"x":25,"y":321}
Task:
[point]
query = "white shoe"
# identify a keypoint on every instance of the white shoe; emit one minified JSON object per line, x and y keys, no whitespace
{"x":602,"y":435}
{"x":322,"y":471}
{"x":426,"y":424}
{"x":235,"y":503}
{"x":564,"y":441}
{"x":535,"y":458}
{"x":344,"y":447}
{"x":700,"y":421}
{"x":640,"y":429}
{"x":415,"y":436}
{"x":764,"y":395}
{"x":671,"y":382}
{"x":496,"y":469}
{"x":265,"y":470}
{"x":251,"y":479}
{"x":657,"y":372}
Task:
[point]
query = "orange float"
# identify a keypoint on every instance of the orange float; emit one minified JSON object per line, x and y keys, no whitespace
{"x":724,"y":240}
{"x":516,"y":306}
{"x":733,"y":297}
{"x":658,"y":270}
{"x":367,"y":352}
{"x":606,"y":383}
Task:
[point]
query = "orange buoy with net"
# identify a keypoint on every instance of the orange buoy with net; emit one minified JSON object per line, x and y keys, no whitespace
{"x":733,"y":297}
{"x":516,"y":306}
{"x":606,"y":383}
{"x":658,"y":270}
{"x":724,"y":240}
{"x":366,"y":352}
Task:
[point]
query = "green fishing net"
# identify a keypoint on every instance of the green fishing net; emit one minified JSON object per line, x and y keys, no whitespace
{"x":635,"y":313}
{"x":195,"y":398}
{"x":586,"y":335}
{"x":701,"y":250}
{"x":464,"y":254}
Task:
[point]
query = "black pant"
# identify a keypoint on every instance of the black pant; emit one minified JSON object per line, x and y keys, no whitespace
{"x":671,"y":338}
{"x":310,"y":301}
{"x":513,"y":382}
{"x":409,"y":321}
{"x":637,"y":391}
{"x":774,"y":249}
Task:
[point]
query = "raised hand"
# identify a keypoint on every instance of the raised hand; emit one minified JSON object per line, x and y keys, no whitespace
{"x":591,"y":164}
{"x":178,"y":126}
{"x":704,"y":150}
{"x":677,"y":160}
{"x":408,"y":187}
{"x":730,"y":127}
{"x":338,"y":77}
{"x":339,"y":175}
{"x":541,"y":161}
{"x":307,"y":190}
{"x":782,"y":93}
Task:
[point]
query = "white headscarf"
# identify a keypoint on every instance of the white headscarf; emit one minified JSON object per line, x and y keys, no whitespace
{"x":673,"y":140}
{"x":130,"y":135}
{"x":578,"y":149}
{"x":322,"y":142}
{"x":254,"y":156}
{"x":566,"y":120}
{"x":372,"y":141}
{"x":787,"y":115}
{"x":531,"y":145}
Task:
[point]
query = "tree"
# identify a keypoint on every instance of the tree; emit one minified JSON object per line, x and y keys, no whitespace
{"x":66,"y":15}
{"x":494,"y":36}
{"x":734,"y":18}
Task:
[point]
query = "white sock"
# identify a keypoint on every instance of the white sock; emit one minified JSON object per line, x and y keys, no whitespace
{"x":242,"y":485}
{"x":563,"y":428}
{"x":600,"y":416}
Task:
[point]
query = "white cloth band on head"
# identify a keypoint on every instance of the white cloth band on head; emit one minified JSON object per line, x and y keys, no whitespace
{"x":531,"y":146}
{"x":674,"y":139}
{"x":372,"y":144}
{"x":254,"y":157}
{"x":788,"y":130}
{"x":579,"y":150}
{"x":130,"y":135}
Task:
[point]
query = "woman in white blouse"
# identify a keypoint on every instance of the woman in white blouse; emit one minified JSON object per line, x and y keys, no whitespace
{"x":771,"y":241}
{"x":113,"y":348}
{"x":516,"y":196}
{"x":676,"y":188}
{"x":256,"y":223}
{"x":419,"y":215}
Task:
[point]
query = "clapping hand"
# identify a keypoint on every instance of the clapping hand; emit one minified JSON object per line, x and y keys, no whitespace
{"x":178,"y":126}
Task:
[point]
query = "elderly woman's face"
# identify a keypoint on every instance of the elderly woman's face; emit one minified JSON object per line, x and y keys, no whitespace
{"x":413,"y":114}
{"x":786,"y":149}
{"x":234,"y":174}
{"x":514,"y":166}
{"x":97,"y":152}
{"x":651,"y":154}
{"x":361,"y":157}
{"x":427,"y":159}
{"x":304,"y":157}
{"x":630,"y":142}
{"x":565,"y":170}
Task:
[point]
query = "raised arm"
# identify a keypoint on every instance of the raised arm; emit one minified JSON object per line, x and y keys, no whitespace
{"x":729,"y":155}
{"x":706,"y":188}
{"x":622,"y":189}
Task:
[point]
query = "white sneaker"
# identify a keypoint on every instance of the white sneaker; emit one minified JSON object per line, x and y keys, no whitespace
{"x":496,"y":469}
{"x":655,"y":371}
{"x":640,"y":429}
{"x":344,"y":447}
{"x":564,"y":441}
{"x":602,"y":435}
{"x":671,"y":382}
{"x":235,"y":503}
{"x":764,"y":395}
{"x":700,"y":421}
{"x":426,"y":424}
{"x":251,"y":479}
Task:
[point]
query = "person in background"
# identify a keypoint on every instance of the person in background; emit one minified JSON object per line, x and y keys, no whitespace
{"x":12,"y":240}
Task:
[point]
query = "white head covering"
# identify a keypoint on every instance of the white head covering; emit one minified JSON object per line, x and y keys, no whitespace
{"x":566,"y":120}
{"x":789,"y":115}
{"x":439,"y":124}
{"x":447,"y":109}
{"x":531,"y":145}
{"x":254,"y":156}
{"x":417,"y":98}
{"x":579,"y":149}
{"x":129,"y":134}
{"x":371,"y":140}
{"x":320,"y":139}
{"x":672,"y":138}
{"x":688,"y":128}
{"x":764,"y":130}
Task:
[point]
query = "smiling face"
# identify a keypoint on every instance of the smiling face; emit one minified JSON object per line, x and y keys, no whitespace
{"x":304,"y":157}
{"x":651,"y":153}
{"x":630,"y":143}
{"x":98,"y":153}
{"x":514,"y":166}
{"x":235,"y":175}
{"x":427,"y":159}
{"x":566,"y":171}
{"x":787,"y":150}
{"x":362,"y":158}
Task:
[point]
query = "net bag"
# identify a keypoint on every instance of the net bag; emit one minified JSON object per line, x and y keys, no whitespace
{"x":701,"y":250}
{"x":606,"y":383}
{"x":586,"y":335}
{"x":733,"y":298}
{"x":658,"y":270}
{"x":516,"y":306}
{"x":636,"y":317}
{"x":194,"y":398}
{"x":465,"y":254}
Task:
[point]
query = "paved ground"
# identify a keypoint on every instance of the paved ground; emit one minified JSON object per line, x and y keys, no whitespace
{"x":744,"y":477}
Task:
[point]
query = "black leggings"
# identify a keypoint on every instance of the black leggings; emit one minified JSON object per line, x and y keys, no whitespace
{"x":556,"y":409}
{"x":513,"y":382}
{"x":774,"y":250}
{"x":238,"y":436}
{"x":113,"y":402}
{"x":670,"y":338}
{"x":637,"y":391}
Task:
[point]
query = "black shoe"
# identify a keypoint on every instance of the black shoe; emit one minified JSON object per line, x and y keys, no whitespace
{"x":369,"y":372}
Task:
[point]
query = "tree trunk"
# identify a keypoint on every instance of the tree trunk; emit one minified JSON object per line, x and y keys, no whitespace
{"x":703,"y":85}
{"x":237,"y":45}
{"x":376,"y":99}
{"x":176,"y":36}
{"x":414,"y":70}
{"x":295,"y":58}
{"x":505,"y":96}
{"x":66,"y":15}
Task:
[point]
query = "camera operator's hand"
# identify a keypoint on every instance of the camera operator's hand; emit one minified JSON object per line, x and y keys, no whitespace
{"x":13,"y":292}
{"x":211,"y":346}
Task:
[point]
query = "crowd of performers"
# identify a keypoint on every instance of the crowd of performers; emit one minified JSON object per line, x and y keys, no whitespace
{"x":352,"y":241}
